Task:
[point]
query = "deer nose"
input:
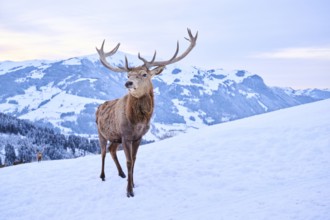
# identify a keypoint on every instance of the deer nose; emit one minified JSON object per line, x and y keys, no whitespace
{"x":128,"y":84}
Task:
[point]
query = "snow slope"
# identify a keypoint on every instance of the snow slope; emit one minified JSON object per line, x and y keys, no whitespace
{"x":270,"y":166}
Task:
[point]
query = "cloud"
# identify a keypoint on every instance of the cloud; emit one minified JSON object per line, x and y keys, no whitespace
{"x":314,"y":53}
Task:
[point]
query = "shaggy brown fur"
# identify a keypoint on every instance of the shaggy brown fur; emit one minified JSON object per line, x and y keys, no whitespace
{"x":139,"y":110}
{"x":129,"y":110}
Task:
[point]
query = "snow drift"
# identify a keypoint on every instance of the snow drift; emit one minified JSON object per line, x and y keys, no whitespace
{"x":270,"y":166}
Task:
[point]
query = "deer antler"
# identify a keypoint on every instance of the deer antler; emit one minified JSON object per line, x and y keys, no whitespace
{"x":104,"y":55}
{"x":192,"y":39}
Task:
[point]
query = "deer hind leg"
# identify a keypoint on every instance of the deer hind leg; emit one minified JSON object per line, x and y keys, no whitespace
{"x":113,"y":151}
{"x":127,"y":145}
{"x":103,"y":144}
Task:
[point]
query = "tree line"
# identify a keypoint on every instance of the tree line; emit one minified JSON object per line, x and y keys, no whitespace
{"x":20,"y":140}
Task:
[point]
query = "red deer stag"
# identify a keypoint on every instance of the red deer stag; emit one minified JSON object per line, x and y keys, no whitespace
{"x":125,"y":120}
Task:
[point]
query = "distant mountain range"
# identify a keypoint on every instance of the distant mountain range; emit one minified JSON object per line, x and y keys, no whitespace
{"x":66,"y":93}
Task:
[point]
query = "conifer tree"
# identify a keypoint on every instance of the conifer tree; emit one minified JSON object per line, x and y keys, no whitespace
{"x":25,"y":153}
{"x":10,"y":155}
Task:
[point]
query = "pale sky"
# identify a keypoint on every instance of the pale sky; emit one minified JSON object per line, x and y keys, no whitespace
{"x":287,"y":42}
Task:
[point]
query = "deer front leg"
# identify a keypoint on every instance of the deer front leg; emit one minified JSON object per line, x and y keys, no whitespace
{"x":113,"y":151}
{"x":135,"y":148}
{"x":127,"y":145}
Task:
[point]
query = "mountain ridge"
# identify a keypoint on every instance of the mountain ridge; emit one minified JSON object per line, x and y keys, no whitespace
{"x":67,"y":92}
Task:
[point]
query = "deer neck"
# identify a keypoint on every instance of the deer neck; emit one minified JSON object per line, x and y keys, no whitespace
{"x":139,"y":110}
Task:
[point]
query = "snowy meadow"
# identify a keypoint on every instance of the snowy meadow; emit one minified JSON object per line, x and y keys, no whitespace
{"x":269,"y":166}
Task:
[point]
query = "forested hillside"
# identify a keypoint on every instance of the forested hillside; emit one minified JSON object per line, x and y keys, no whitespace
{"x":20,"y":140}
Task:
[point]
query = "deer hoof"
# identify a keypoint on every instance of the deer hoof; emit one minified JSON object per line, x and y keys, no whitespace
{"x":102,"y":177}
{"x":130,"y":194}
{"x":122,"y":175}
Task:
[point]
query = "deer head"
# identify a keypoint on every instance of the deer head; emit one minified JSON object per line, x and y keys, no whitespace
{"x":139,"y":78}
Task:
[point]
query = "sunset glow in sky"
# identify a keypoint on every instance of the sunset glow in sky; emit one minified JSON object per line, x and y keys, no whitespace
{"x":287,"y":42}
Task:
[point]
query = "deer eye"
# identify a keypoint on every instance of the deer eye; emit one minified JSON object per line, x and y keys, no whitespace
{"x":144,"y":75}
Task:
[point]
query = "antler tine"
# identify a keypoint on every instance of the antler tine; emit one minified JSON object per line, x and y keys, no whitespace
{"x":146,"y":62}
{"x":141,"y":58}
{"x":113,"y":51}
{"x":104,"y":61}
{"x":126,"y":64}
{"x":154,"y":57}
{"x":192,"y":39}
{"x":176,"y":51}
{"x":150,"y":64}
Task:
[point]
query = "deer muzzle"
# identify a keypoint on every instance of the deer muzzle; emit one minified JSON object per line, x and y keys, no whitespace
{"x":129,"y":84}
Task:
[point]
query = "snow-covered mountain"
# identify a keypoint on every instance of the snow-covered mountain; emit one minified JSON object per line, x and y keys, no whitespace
{"x":271,"y":166}
{"x":66,"y":94}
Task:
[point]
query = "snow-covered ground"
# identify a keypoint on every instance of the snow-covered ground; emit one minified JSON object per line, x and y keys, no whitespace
{"x":270,"y":166}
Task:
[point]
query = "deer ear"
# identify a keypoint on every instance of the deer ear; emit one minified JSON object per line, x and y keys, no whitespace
{"x":157,"y":70}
